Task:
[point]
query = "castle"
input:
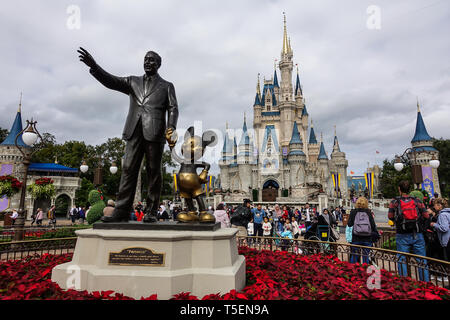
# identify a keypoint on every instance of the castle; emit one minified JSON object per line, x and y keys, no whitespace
{"x":277,"y":160}
{"x":66,"y":180}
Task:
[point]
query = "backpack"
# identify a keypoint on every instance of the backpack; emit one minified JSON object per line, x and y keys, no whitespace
{"x":407,"y":214}
{"x":361,"y":226}
{"x":240,"y":216}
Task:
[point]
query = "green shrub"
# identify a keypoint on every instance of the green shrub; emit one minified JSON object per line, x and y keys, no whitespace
{"x":96,"y":212}
{"x":94,"y":197}
{"x":97,"y":206}
{"x":417,"y":194}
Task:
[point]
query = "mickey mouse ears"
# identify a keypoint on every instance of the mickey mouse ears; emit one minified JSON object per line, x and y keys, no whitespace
{"x":209,"y":137}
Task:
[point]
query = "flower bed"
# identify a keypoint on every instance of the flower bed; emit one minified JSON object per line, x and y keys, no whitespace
{"x":270,"y":276}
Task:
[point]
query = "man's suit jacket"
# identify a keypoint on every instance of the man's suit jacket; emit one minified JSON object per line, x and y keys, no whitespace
{"x":149,"y":101}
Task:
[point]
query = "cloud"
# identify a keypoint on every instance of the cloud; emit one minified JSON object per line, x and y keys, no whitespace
{"x":364,"y":81}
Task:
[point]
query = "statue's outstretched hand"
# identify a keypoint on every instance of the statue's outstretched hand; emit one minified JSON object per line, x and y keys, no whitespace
{"x":86,"y":57}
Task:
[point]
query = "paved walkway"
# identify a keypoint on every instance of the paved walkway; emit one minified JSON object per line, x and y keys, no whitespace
{"x":59,"y":222}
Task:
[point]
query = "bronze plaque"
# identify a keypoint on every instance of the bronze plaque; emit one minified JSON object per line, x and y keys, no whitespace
{"x":137,"y":257}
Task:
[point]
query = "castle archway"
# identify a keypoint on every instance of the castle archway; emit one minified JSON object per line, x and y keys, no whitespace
{"x":63,"y":203}
{"x":270,"y":191}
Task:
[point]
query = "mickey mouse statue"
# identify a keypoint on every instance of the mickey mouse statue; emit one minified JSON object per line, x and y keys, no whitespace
{"x":188,"y":181}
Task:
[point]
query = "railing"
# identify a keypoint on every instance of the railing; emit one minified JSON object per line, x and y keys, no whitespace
{"x":32,"y":233}
{"x":403,"y":264}
{"x":21,"y":249}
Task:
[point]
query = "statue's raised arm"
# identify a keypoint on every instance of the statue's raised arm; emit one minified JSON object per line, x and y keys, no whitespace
{"x":86,"y":58}
{"x":110,"y":81}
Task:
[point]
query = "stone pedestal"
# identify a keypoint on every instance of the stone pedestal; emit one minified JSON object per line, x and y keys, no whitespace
{"x":139,"y":263}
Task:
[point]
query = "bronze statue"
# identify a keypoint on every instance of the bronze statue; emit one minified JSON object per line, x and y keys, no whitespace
{"x":188,"y":181}
{"x":152,"y":99}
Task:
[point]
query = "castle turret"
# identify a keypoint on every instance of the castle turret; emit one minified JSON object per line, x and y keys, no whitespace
{"x":422,"y":143}
{"x":226,"y":159}
{"x":296,"y":157}
{"x":257,"y":106}
{"x":339,"y":164}
{"x":313,"y":146}
{"x":11,"y":157}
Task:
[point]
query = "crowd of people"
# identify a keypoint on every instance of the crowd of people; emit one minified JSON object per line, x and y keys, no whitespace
{"x":271,"y":221}
{"x":421,"y":228}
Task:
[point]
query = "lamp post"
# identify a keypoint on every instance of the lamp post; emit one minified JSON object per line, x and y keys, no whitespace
{"x":29,"y":136}
{"x":98,"y":171}
{"x":416,"y":168}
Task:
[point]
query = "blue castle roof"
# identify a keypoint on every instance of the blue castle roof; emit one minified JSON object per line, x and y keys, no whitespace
{"x":257,"y":100}
{"x":312,"y":137}
{"x":304,"y":111}
{"x":275,"y":79}
{"x":15,"y":130}
{"x":298,"y":86}
{"x":421,"y":133}
{"x":245,"y":139}
{"x":50,"y":167}
{"x":296,"y":138}
{"x":270,"y":87}
{"x":227,"y":146}
{"x":322,"y":154}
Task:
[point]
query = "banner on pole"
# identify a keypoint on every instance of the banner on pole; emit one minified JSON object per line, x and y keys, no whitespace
{"x":427,"y":183}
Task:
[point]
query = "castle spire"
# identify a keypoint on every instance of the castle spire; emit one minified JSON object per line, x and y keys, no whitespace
{"x":336,"y":143}
{"x":275,"y":78}
{"x":258,"y":87}
{"x":258,"y":94}
{"x":285,"y":37}
{"x":296,"y":138}
{"x":298,"y":87}
{"x":421,"y":133}
{"x":16,"y":128}
{"x":322,"y":153}
{"x":20,"y":104}
{"x":245,"y":139}
{"x":312,"y":135}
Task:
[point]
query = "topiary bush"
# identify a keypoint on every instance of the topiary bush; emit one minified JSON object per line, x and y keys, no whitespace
{"x":97,"y":206}
{"x":417,"y":194}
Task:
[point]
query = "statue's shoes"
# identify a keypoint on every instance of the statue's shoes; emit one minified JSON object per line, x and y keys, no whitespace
{"x":190,"y":216}
{"x":206,"y":217}
{"x":149,"y":218}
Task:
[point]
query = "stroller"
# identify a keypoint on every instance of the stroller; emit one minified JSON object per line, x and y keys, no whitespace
{"x":319,"y":230}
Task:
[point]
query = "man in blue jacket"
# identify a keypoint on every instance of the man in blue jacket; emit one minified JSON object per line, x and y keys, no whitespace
{"x":258,"y":216}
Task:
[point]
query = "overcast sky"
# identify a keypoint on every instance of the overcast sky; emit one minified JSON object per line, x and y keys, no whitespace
{"x":361,"y":78}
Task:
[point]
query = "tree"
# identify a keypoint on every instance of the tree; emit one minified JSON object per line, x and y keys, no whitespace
{"x":390,"y":178}
{"x":82,"y":194}
{"x":443,"y":146}
{"x":3,"y":134}
{"x":45,"y":150}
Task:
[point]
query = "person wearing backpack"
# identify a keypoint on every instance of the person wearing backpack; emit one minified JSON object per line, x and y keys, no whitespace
{"x":363,"y":229}
{"x":241,"y":217}
{"x":409,"y":214}
{"x":73,"y":214}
